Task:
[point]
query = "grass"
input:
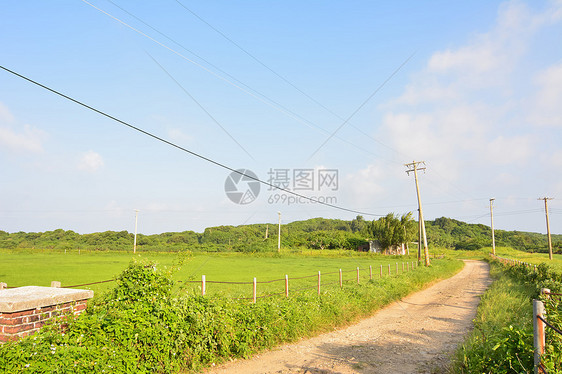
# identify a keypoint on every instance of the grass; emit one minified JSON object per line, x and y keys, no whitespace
{"x":35,"y":267}
{"x":532,"y":258}
{"x":501,"y":341}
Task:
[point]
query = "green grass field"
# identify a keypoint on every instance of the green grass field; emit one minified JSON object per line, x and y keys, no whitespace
{"x":29,"y":267}
{"x":532,"y":258}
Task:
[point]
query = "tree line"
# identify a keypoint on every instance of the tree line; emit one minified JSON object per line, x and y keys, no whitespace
{"x":316,"y":233}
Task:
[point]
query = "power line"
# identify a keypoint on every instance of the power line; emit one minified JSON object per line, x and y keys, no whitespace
{"x":182,"y":148}
{"x":200,"y":106}
{"x":362,"y":104}
{"x":284,"y":79}
{"x":248,"y":90}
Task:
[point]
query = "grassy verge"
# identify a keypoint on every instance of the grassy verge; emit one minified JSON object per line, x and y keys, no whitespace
{"x":502,"y":339}
{"x":142,"y":326}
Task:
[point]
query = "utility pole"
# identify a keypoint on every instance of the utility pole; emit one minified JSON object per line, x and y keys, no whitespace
{"x":279,"y":235}
{"x":136,"y":221}
{"x":492,"y":218}
{"x":413,"y":167}
{"x":267,"y":231}
{"x":547,"y":225}
{"x":419,"y":236}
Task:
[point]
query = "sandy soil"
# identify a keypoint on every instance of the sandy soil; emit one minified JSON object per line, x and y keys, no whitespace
{"x":414,"y":335}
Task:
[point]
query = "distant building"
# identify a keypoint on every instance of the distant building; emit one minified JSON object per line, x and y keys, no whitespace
{"x":374,"y":246}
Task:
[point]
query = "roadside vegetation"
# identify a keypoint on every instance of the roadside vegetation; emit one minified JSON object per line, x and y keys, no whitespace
{"x":502,"y":339}
{"x":143,"y":326}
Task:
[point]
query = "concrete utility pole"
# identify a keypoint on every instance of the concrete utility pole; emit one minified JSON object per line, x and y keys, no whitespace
{"x":279,"y":235}
{"x":136,"y":221}
{"x":492,"y":218}
{"x":547,"y":225}
{"x":267,"y":231}
{"x":414,"y":167}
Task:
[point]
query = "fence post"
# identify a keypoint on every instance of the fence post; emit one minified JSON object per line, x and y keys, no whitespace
{"x":318,"y":282}
{"x":370,"y":272}
{"x":381,"y":271}
{"x":389,"y":269}
{"x":538,"y":332}
{"x":397,"y":268}
{"x":255,"y":289}
{"x":341,"y":280}
{"x":286,"y":285}
{"x":203,"y":290}
{"x":358,"y":275}
{"x":402,"y":267}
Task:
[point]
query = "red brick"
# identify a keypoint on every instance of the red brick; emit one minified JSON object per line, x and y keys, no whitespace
{"x":39,"y":324}
{"x":12,"y":321}
{"x":47,"y":308}
{"x":18,"y":328}
{"x":20,"y":313}
{"x":6,"y":338}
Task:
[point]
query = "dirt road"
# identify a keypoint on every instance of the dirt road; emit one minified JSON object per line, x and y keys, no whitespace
{"x":414,"y":335}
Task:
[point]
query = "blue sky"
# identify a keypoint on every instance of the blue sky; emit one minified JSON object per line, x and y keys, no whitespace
{"x":290,"y":90}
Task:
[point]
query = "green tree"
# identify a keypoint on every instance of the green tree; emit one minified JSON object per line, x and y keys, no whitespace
{"x":391,"y":230}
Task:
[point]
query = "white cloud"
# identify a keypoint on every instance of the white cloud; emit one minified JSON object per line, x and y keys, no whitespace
{"x":90,"y":162}
{"x":555,"y":159}
{"x":5,"y":114}
{"x":471,"y":103}
{"x":364,"y":185}
{"x":548,"y":100}
{"x":28,"y":139}
{"x":506,"y":150}
{"x":177,"y":135}
{"x":506,"y":179}
{"x":18,"y":138}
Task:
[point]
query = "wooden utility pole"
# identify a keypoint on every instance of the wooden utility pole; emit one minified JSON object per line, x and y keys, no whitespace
{"x":279,"y":235}
{"x":136,"y":221}
{"x":413,"y":167}
{"x":419,"y":236}
{"x":547,"y":225}
{"x":492,"y":219}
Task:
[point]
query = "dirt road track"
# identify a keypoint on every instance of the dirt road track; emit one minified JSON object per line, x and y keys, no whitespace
{"x":414,"y":335}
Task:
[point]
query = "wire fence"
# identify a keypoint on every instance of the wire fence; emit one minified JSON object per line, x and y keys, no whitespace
{"x":271,"y":288}
{"x":239,"y":290}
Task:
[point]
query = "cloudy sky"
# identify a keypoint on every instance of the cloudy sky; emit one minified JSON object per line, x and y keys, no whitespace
{"x":328,"y":99}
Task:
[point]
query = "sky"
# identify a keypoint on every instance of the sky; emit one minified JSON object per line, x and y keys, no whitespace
{"x":326,"y":99}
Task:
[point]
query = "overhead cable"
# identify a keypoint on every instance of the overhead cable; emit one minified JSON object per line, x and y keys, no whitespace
{"x":182,"y":148}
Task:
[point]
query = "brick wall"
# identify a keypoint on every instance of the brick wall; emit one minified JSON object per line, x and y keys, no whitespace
{"x":16,"y":325}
